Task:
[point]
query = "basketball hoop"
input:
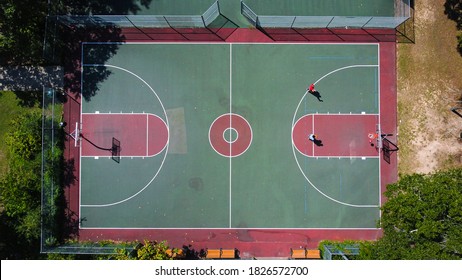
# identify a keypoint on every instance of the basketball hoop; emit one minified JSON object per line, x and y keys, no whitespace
{"x":75,"y":135}
{"x":377,"y":136}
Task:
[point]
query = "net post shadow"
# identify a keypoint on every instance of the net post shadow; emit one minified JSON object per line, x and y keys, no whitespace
{"x":114,"y":149}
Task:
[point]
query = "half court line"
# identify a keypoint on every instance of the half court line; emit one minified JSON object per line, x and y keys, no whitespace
{"x":230,"y":125}
{"x":378,"y":102}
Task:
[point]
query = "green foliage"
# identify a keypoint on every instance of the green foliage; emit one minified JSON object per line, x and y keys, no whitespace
{"x":59,"y":257}
{"x":24,"y":141}
{"x":14,"y":245}
{"x":21,"y":31}
{"x":422,"y":218}
{"x":20,"y":186}
{"x":29,"y":225}
{"x":9,"y":108}
{"x":453,"y":9}
{"x":150,"y":250}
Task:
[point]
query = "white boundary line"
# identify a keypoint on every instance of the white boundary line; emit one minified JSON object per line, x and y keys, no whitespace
{"x":207,"y":43}
{"x":230,"y":125}
{"x":380,"y":122}
{"x":166,"y":150}
{"x":225,"y":43}
{"x":123,"y":113}
{"x":227,"y":228}
{"x":81,"y":126}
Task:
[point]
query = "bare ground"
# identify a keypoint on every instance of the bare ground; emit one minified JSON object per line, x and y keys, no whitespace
{"x":429,"y":81}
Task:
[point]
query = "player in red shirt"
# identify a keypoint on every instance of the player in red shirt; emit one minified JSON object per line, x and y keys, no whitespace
{"x":311,"y":88}
{"x":314,"y":92}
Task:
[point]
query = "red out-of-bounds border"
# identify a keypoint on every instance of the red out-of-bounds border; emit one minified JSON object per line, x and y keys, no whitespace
{"x":251,"y":243}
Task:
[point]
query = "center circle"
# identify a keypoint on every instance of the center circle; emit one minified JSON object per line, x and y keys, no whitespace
{"x":230,"y":135}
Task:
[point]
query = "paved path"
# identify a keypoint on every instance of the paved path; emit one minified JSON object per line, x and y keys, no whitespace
{"x":30,"y":78}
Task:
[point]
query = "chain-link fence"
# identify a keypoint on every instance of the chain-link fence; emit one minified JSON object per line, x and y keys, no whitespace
{"x":333,"y":28}
{"x":52,"y":152}
{"x":212,"y":25}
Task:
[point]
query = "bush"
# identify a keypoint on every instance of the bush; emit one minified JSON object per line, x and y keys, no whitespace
{"x":20,"y":186}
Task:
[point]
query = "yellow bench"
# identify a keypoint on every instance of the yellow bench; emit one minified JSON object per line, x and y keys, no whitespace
{"x":313,"y":254}
{"x":220,"y":254}
{"x":228,"y":253}
{"x":298,"y":253}
{"x":305,"y":254}
{"x":213,"y":254}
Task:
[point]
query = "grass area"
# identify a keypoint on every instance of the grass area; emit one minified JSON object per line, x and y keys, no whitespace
{"x":429,"y":80}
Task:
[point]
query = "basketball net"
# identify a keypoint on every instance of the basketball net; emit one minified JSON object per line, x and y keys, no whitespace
{"x":377,"y":137}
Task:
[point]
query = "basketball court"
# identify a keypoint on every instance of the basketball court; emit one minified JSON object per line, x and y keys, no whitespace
{"x":200,"y":136}
{"x":216,"y":136}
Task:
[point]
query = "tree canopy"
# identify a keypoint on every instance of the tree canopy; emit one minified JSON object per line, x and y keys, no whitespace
{"x":422,"y":218}
{"x":22,"y":26}
{"x":453,"y":9}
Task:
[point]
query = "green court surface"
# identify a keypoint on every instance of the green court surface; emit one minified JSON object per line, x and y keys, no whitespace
{"x":270,"y":185}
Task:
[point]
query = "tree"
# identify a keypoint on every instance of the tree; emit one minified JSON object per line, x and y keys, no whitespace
{"x":453,"y":9}
{"x":422,"y":218}
{"x":21,"y":31}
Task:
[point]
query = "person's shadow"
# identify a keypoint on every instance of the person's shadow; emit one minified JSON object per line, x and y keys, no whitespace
{"x":318,"y":142}
{"x":317,"y":95}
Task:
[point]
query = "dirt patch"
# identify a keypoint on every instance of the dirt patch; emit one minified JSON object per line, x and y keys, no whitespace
{"x":429,"y":81}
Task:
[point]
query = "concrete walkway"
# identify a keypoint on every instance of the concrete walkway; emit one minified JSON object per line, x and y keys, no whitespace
{"x":30,"y":78}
